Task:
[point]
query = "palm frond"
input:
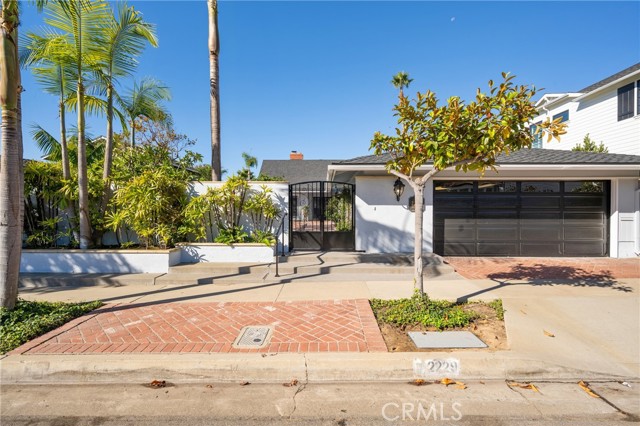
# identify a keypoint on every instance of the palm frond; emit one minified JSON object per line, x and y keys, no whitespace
{"x":48,"y":144}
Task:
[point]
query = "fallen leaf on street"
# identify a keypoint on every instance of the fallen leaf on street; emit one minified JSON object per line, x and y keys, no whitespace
{"x":209,"y":386}
{"x":158,"y":384}
{"x":446,"y":381}
{"x":546,"y":333}
{"x":523,"y":311}
{"x":245,"y":383}
{"x":460,"y":385}
{"x":585,"y":387}
{"x":625,"y":384}
{"x":293,"y":382}
{"x":530,"y":386}
{"x":418,"y":382}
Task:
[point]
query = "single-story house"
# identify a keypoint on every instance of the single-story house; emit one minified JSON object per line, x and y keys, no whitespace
{"x":541,"y":202}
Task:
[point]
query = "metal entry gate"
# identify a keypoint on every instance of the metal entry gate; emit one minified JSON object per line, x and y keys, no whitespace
{"x":322,"y":216}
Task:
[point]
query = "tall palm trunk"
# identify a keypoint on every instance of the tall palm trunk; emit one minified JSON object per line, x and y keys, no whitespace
{"x":83,"y":187}
{"x":64,"y":151}
{"x":214,"y":95}
{"x":11,"y":184}
{"x":108,"y":153}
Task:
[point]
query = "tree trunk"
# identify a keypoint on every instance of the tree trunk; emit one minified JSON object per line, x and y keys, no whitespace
{"x":108,"y":154}
{"x":83,"y":185}
{"x":11,"y":192}
{"x":418,"y":189}
{"x":69,"y":210}
{"x":214,"y":95}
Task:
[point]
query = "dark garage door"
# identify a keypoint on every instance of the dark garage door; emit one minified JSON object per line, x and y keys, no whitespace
{"x":521,"y":218}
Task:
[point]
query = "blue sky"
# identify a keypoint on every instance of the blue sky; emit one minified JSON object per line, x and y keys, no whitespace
{"x":315,"y":76}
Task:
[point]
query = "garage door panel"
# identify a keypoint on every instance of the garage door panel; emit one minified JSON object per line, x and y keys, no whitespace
{"x":543,"y":218}
{"x":540,"y":202}
{"x":487,"y":232}
{"x":584,"y":233}
{"x":595,"y":248}
{"x":541,"y":249}
{"x":583,"y":202}
{"x":538,"y":233}
{"x":497,"y":249}
{"x":497,"y":201}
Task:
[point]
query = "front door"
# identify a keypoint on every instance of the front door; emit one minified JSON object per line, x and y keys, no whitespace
{"x":322,"y":216}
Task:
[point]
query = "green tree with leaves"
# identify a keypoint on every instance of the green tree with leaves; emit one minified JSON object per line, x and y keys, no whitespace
{"x":589,"y":145}
{"x":460,"y":135}
{"x":250,"y":162}
{"x":85,"y":22}
{"x":126,"y":37}
{"x":144,"y":100}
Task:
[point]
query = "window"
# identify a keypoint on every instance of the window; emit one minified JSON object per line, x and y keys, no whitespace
{"x":563,"y":116}
{"x":594,"y":187}
{"x":540,"y":186}
{"x":625,"y":102}
{"x":497,"y":186}
{"x":537,"y":137}
{"x":454,"y":186}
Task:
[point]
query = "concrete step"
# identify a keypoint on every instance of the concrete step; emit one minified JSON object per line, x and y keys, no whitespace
{"x":73,"y":280}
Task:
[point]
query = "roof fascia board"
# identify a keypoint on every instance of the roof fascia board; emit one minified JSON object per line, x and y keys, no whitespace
{"x":381,"y":167}
{"x":608,"y":85}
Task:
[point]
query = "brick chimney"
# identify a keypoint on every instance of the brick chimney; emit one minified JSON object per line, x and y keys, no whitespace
{"x":295,"y":155}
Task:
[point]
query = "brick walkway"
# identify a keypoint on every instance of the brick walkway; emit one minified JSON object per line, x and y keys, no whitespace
{"x":319,"y":326}
{"x":523,"y":268}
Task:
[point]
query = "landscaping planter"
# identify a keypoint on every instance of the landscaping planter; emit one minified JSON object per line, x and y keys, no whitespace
{"x":223,"y":253}
{"x":98,"y":261}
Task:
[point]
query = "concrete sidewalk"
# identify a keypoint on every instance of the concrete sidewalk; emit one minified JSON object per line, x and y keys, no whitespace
{"x":596,"y":327}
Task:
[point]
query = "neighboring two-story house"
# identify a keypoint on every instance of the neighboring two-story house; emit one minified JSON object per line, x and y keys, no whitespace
{"x":608,"y":111}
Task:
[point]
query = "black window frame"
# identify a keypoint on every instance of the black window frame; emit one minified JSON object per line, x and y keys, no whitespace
{"x":625,"y":101}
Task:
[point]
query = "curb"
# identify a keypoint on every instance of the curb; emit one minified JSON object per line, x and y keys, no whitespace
{"x":281,"y":367}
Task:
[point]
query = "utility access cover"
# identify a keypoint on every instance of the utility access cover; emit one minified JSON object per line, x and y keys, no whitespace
{"x":445,"y":339}
{"x":253,"y":337}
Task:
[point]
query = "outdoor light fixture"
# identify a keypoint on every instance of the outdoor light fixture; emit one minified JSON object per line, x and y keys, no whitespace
{"x":398,"y":189}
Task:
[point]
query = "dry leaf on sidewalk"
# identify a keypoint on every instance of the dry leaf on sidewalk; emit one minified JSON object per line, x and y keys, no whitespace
{"x":523,"y":311}
{"x":209,"y":386}
{"x":546,"y":333}
{"x":158,"y":384}
{"x":585,"y":387}
{"x":418,"y":382}
{"x":459,"y":385}
{"x":245,"y":383}
{"x":530,"y":386}
{"x":293,"y":382}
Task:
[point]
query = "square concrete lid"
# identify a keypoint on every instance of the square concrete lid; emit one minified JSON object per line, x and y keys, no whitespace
{"x":445,"y":339}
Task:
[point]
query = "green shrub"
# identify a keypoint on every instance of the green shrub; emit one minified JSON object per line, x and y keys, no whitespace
{"x":419,"y":309}
{"x":29,"y":320}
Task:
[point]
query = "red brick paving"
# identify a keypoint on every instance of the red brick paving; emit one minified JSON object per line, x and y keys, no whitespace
{"x":314,"y":326}
{"x":522,"y":268}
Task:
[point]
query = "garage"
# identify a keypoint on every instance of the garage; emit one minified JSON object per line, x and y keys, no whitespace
{"x":521,"y":218}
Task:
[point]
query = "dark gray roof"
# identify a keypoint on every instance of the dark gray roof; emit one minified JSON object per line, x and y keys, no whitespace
{"x":530,"y":156}
{"x":295,"y":171}
{"x":610,"y":79}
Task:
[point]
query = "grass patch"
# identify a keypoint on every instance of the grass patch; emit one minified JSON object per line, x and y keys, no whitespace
{"x":32,"y":319}
{"x":419,"y":309}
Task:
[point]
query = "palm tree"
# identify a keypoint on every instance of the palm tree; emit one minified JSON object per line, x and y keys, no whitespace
{"x":249,"y":163}
{"x":145,"y":100}
{"x":49,"y":56}
{"x":11,"y":166}
{"x":401,"y":81}
{"x":126,"y":38}
{"x":214,"y":89}
{"x":85,"y":23}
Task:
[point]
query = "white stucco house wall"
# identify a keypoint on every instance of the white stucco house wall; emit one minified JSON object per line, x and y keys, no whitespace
{"x":608,"y":111}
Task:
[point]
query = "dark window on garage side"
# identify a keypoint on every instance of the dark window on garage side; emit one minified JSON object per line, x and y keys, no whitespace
{"x":563,"y":116}
{"x":625,"y":102}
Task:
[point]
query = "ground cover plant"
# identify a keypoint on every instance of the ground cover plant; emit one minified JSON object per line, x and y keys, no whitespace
{"x":420,"y":313}
{"x":30,"y":319}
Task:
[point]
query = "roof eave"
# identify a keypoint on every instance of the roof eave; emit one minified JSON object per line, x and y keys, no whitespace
{"x":608,"y":85}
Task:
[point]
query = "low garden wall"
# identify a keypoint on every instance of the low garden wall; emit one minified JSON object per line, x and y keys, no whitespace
{"x":139,"y":261}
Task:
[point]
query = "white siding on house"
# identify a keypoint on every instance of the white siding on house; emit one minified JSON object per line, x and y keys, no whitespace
{"x":625,"y":230}
{"x":597,"y":115}
{"x":384,"y":225}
